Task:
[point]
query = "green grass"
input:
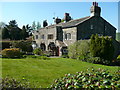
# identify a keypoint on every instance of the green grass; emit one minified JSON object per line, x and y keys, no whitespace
{"x":43,"y":72}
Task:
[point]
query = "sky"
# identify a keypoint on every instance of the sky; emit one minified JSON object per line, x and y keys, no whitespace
{"x":27,"y":12}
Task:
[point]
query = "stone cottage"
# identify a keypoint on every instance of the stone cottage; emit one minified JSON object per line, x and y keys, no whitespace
{"x":57,"y":37}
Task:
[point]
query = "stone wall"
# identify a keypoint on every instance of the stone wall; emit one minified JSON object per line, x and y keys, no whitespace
{"x":95,"y":25}
{"x":73,"y":32}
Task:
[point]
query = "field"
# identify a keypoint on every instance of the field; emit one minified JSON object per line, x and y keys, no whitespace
{"x":44,"y":72}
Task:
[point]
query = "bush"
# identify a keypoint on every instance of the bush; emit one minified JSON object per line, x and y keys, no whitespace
{"x":5,"y":44}
{"x":95,"y":60}
{"x":64,"y":56}
{"x":90,"y":79}
{"x":79,"y":50}
{"x":38,"y":51}
{"x":118,"y":58}
{"x":12,"y":83}
{"x":25,"y":46}
{"x":101,"y":47}
{"x":11,"y":53}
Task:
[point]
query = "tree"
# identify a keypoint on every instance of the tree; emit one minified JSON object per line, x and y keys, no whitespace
{"x":2,"y":25}
{"x":101,"y":47}
{"x":24,"y":34}
{"x":5,"y":33}
{"x":14,"y":30}
{"x":34,"y":25}
{"x":38,"y":25}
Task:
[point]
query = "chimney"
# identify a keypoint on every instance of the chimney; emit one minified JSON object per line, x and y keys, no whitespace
{"x":57,"y":20}
{"x":67,"y":17}
{"x":45,"y":23}
{"x":95,"y":9}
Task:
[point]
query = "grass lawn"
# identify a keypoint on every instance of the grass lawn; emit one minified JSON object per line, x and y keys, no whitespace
{"x":43,"y":72}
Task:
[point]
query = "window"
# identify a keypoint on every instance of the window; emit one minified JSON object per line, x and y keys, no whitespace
{"x":67,"y":36}
{"x":50,"y":36}
{"x":105,"y":28}
{"x":42,"y":37}
{"x":91,"y":26}
{"x":36,"y":36}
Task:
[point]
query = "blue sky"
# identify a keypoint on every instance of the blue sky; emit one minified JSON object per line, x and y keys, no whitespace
{"x":27,"y":12}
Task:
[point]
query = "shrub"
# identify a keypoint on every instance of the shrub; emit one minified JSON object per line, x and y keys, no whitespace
{"x":90,"y":79}
{"x":79,"y":49}
{"x":5,"y":44}
{"x":12,"y":83}
{"x":38,"y":51}
{"x":96,"y":60}
{"x":11,"y":53}
{"x":25,"y":46}
{"x":64,"y":56}
{"x":118,"y":58}
{"x":101,"y":47}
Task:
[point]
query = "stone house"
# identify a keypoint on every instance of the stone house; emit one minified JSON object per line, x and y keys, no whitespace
{"x":57,"y":37}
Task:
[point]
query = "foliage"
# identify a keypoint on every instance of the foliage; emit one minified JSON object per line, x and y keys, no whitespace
{"x":118,"y":57}
{"x":65,"y":56}
{"x":79,"y":49}
{"x":38,"y":51}
{"x":12,"y":83}
{"x":11,"y":53}
{"x":5,"y":44}
{"x":90,"y":79}
{"x":24,"y":33}
{"x":5,"y":33}
{"x":13,"y":32}
{"x":101,"y":47}
{"x":25,"y":46}
{"x":118,"y":36}
{"x":38,"y":26}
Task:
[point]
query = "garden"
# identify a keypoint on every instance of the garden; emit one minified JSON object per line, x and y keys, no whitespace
{"x":89,"y":64}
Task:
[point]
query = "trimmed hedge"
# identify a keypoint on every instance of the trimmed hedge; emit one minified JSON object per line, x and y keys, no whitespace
{"x":11,"y":53}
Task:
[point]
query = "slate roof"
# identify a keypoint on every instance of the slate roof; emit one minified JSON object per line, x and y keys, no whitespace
{"x":75,"y":22}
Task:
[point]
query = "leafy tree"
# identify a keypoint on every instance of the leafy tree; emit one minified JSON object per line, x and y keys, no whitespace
{"x":2,"y":25}
{"x":101,"y":47}
{"x":24,"y":33}
{"x":79,"y":49}
{"x":14,"y":30}
{"x":34,"y":25}
{"x":29,"y":29}
{"x":38,"y":26}
{"x":5,"y":33}
{"x":25,"y":46}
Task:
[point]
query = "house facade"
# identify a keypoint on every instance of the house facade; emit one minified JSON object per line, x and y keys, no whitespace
{"x":57,"y":37}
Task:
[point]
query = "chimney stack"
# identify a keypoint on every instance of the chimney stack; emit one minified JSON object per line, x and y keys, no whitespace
{"x":95,"y":9}
{"x":45,"y":23}
{"x":67,"y":17}
{"x":57,"y":20}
